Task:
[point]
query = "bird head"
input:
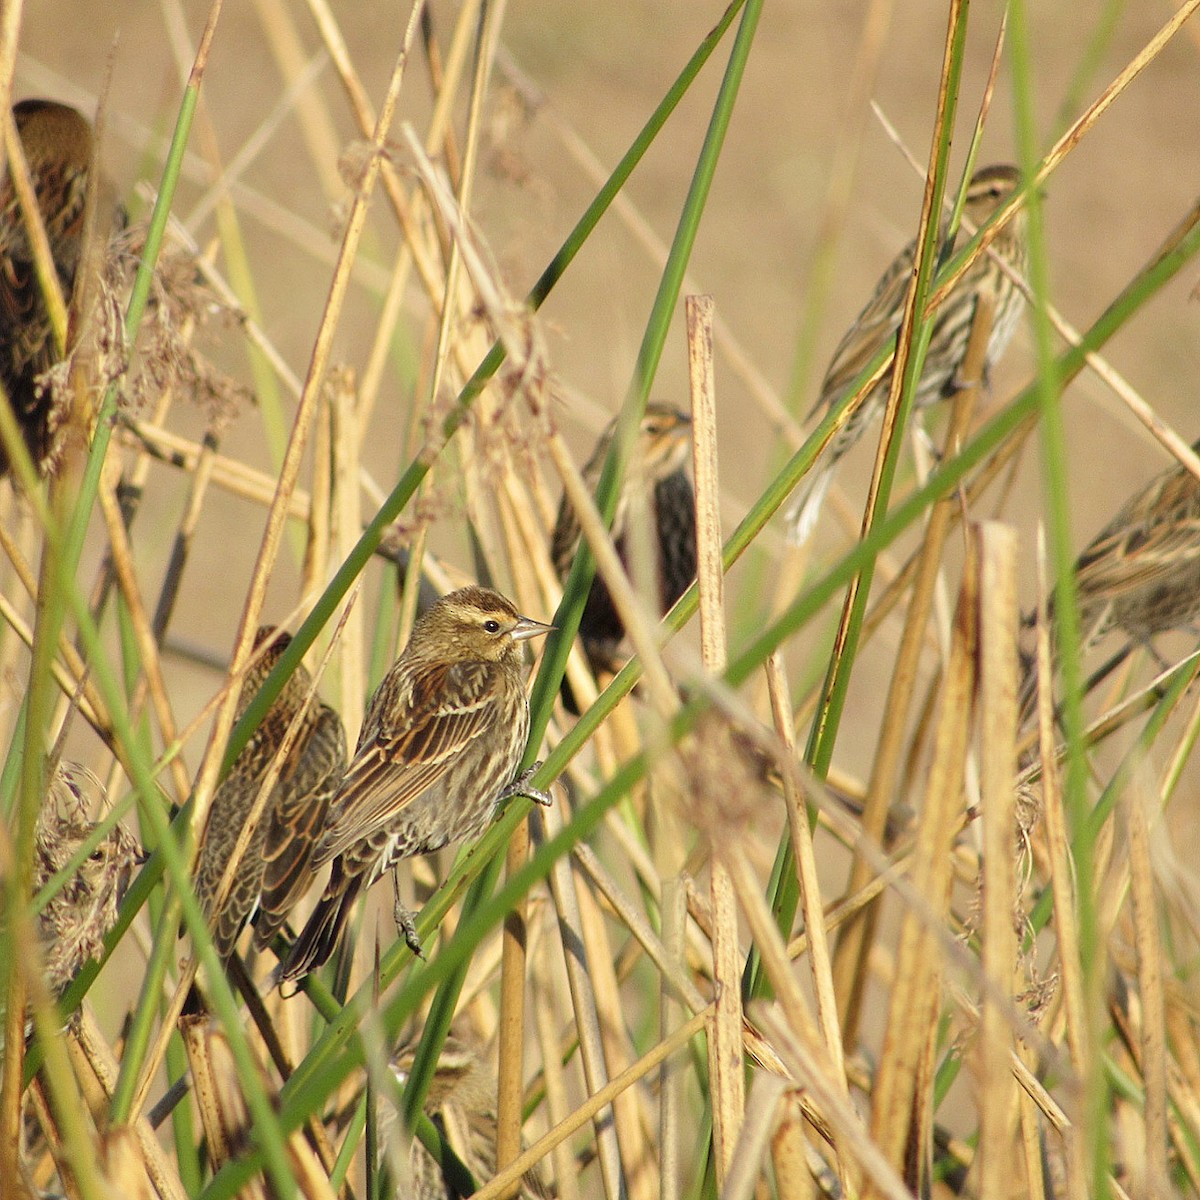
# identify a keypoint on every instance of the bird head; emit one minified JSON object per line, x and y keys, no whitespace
{"x":989,"y":188}
{"x":663,"y":440}
{"x":53,"y":132}
{"x":473,"y":624}
{"x":294,"y":690}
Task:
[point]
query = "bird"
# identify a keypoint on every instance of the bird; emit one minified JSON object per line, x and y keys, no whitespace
{"x":1140,"y":574}
{"x":878,"y":323}
{"x":57,"y":142}
{"x":656,"y":478}
{"x":274,"y":872}
{"x":461,"y":1102}
{"x":441,"y":741}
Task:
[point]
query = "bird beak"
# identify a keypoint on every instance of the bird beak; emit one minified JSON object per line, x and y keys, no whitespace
{"x":527,"y":628}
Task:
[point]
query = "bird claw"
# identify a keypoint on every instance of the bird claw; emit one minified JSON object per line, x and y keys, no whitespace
{"x":406,"y":927}
{"x":522,"y":787}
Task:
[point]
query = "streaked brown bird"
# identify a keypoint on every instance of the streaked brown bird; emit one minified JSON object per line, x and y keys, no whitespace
{"x":275,"y":870}
{"x":1141,"y":572}
{"x":440,"y":744}
{"x":879,"y":322}
{"x":57,"y":142}
{"x":655,"y":479}
{"x":461,"y":1102}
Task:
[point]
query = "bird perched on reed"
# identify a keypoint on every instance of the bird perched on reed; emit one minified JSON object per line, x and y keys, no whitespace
{"x":440,"y":743}
{"x":654,"y":478}
{"x":461,"y":1102}
{"x":878,"y":323}
{"x":274,"y":872}
{"x":57,"y":143}
{"x":1140,"y":573}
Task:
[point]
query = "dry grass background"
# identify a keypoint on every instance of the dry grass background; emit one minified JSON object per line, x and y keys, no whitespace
{"x":590,"y":75}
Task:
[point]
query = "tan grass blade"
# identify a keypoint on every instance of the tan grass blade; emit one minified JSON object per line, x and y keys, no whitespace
{"x":998,"y":1099}
{"x":897,"y":1099}
{"x":226,"y":1116}
{"x":726,"y":1067}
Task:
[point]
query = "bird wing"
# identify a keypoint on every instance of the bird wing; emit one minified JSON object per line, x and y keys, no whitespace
{"x":878,"y":321}
{"x":410,"y":744}
{"x":1147,"y":540}
{"x":297,"y":820}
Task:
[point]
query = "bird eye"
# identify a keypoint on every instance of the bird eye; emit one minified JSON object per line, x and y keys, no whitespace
{"x":492,"y":626}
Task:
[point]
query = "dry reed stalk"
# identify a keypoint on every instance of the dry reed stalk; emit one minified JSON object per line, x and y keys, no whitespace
{"x":897,"y":1103}
{"x":854,"y":942}
{"x":630,"y":1112}
{"x":674,"y":977}
{"x":226,"y":1116}
{"x":511,"y":1065}
{"x":1183,"y":1077}
{"x":346,"y":528}
{"x":673,"y":909}
{"x":767,"y":1096}
{"x":726,"y":1067}
{"x":70,"y":675}
{"x":96,"y":1068}
{"x":1066,"y":926}
{"x":126,"y":575}
{"x":10,"y":37}
{"x":316,"y":566}
{"x":594,"y":1105}
{"x":836,"y":1119}
{"x":587,"y":1021}
{"x":233,"y":476}
{"x":189,"y":519}
{"x":817,"y":943}
{"x":998,"y":1098}
{"x":789,"y":1154}
{"x":1148,"y":942}
{"x":548,"y":1017}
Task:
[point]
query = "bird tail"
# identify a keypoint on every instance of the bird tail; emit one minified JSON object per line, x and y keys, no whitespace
{"x":802,"y":516}
{"x":323,"y":930}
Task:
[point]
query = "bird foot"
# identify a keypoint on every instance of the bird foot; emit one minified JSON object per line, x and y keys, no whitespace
{"x":406,"y":927}
{"x":522,"y":787}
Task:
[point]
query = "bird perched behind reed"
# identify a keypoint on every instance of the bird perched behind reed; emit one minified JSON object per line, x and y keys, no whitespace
{"x":879,"y":322}
{"x":275,"y":871}
{"x":461,"y":1102}
{"x":655,"y":478}
{"x":440,"y":743}
{"x":1140,"y":573}
{"x":57,"y":143}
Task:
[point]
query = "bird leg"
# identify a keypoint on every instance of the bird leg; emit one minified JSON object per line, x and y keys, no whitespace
{"x":522,"y":787}
{"x":406,"y":925}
